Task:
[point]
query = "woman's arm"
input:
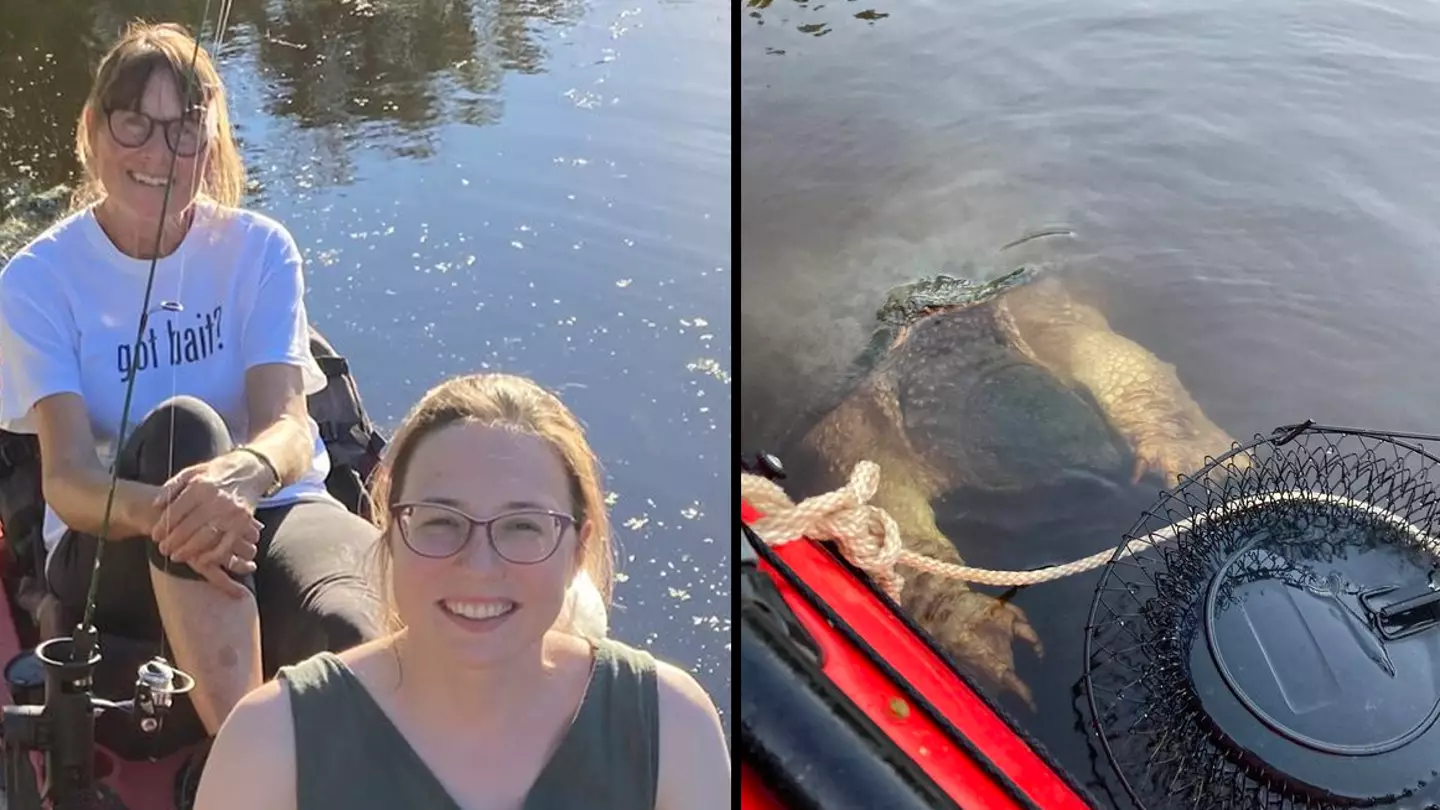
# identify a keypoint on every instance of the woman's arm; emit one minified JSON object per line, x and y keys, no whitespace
{"x":75,"y":483}
{"x":40,"y":389}
{"x":203,"y":495}
{"x":279,"y":419}
{"x":275,"y":352}
{"x":252,"y":761}
{"x":694,"y":762}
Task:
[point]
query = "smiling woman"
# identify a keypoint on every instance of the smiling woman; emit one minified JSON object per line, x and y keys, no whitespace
{"x":141,"y":90}
{"x":219,"y":491}
{"x":496,"y":688}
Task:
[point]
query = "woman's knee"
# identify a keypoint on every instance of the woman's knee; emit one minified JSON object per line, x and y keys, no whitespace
{"x":349,"y":618}
{"x":177,"y":433}
{"x":313,"y":542}
{"x":317,"y":564}
{"x":186,"y":415}
{"x":336,"y":618}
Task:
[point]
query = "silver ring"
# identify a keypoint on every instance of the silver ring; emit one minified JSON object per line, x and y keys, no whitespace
{"x":234,"y":561}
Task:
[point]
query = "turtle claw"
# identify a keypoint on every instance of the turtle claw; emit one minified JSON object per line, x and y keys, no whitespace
{"x":1171,"y":458}
{"x":980,"y":635}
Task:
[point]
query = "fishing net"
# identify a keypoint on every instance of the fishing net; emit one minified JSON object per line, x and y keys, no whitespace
{"x":1267,"y":637}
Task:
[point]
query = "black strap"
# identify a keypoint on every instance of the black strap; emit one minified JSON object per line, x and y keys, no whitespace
{"x":17,"y":450}
{"x":333,"y":431}
{"x":333,"y":366}
{"x":356,"y":431}
{"x":376,"y":445}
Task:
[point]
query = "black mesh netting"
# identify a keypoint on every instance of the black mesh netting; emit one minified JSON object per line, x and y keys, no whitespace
{"x":1240,"y":653}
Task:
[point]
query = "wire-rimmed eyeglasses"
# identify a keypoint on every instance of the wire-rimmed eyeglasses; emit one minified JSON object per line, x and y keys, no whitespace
{"x":132,"y":129}
{"x":520,"y":536}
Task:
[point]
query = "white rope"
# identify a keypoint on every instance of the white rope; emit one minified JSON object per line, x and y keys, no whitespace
{"x":870,"y":539}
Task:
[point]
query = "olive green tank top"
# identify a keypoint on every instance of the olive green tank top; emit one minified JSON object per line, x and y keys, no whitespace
{"x":349,"y":755}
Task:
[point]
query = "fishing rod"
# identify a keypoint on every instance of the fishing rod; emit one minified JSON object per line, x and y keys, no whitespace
{"x":60,"y":672}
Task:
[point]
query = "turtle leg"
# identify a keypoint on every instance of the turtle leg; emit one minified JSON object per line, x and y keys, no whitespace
{"x":976,"y":630}
{"x":1141,"y":395}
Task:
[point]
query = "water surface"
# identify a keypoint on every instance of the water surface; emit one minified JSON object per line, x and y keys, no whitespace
{"x":1253,"y":186}
{"x":533,"y":186}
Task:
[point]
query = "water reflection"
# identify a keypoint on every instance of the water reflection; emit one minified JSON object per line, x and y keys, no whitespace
{"x":362,"y":63}
{"x":540,"y":187}
{"x":807,"y":18}
{"x":1253,"y":191}
{"x":361,"y":71}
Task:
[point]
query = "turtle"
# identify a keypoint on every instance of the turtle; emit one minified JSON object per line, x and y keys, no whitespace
{"x":1004,"y":386}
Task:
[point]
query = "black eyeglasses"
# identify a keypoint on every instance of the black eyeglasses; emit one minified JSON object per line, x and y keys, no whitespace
{"x":132,"y":130}
{"x":523,"y":536}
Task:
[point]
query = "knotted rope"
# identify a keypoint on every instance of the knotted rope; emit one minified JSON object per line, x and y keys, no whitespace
{"x":870,"y":539}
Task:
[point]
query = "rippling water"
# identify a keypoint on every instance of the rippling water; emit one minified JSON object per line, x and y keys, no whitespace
{"x":534,"y":186}
{"x":1253,"y":186}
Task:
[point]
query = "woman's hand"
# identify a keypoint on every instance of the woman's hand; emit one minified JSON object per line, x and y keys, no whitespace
{"x":208,"y":519}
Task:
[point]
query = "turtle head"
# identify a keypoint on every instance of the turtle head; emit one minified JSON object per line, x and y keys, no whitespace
{"x":908,"y":303}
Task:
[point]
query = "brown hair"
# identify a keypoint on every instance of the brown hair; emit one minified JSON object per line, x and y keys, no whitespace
{"x":512,"y":403}
{"x":120,"y":83}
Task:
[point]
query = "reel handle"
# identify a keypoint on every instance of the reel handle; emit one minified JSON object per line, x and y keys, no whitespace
{"x":157,"y":683}
{"x":1397,"y":611}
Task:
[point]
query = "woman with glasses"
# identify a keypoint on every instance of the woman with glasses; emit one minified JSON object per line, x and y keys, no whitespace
{"x":494,"y":690}
{"x":220,"y":522}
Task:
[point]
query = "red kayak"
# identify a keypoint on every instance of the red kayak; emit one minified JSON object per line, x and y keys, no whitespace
{"x":846,"y":703}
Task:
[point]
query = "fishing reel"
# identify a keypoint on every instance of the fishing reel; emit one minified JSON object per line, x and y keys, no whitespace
{"x":54,"y":716}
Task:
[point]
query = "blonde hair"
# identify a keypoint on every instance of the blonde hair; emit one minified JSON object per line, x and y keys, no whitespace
{"x":519,"y":404}
{"x":120,"y":83}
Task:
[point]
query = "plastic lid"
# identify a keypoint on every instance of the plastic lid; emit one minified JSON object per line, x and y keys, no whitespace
{"x":1317,"y":656}
{"x":25,"y":670}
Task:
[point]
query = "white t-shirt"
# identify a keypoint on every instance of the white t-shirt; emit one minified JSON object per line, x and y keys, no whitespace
{"x":70,"y":307}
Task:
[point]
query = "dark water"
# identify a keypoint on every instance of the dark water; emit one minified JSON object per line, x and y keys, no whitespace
{"x":538,"y":187}
{"x":1255,"y":188}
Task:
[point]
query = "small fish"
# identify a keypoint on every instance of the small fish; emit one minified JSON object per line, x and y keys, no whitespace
{"x":1037,"y":235}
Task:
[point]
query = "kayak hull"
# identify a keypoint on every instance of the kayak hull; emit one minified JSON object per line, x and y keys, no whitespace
{"x":891,"y":673}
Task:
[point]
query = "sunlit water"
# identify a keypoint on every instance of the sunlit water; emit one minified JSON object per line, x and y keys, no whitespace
{"x":1254,"y":186}
{"x":536,"y":187}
